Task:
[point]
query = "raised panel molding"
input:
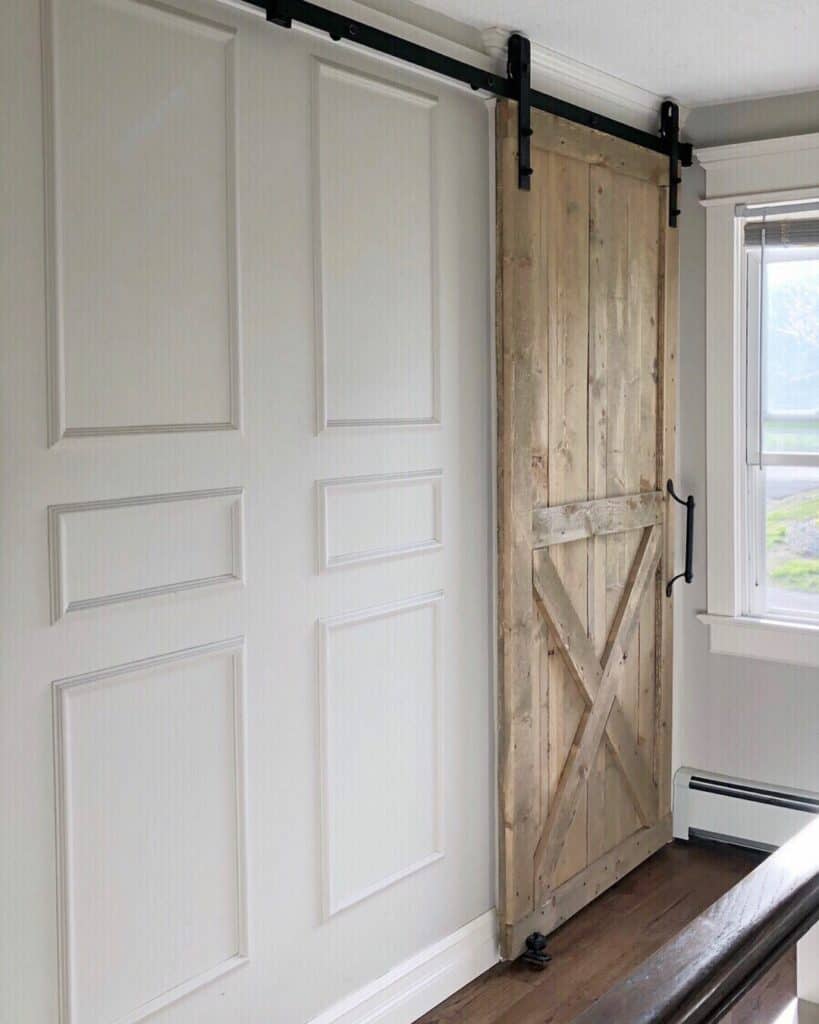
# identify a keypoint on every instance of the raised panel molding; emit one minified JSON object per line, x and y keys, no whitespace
{"x":121,"y":328}
{"x":416,"y":525}
{"x":381,"y":707}
{"x":115,"y":566}
{"x":112,"y":907}
{"x":375,"y":245}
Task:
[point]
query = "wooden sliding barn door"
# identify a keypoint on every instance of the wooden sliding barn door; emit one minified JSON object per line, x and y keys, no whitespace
{"x":587,"y":308}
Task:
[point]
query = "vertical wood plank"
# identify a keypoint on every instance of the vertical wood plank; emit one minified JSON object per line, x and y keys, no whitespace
{"x":563,"y":193}
{"x":640,"y":443}
{"x":602,"y":328}
{"x":623,"y":478}
{"x":518,"y":758}
{"x":666,"y":465}
{"x":624,"y":272}
{"x":649,"y":383}
{"x":611,"y":814}
{"x":545,"y":653}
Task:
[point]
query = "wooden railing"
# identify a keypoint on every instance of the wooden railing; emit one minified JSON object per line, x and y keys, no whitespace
{"x":701,"y":973}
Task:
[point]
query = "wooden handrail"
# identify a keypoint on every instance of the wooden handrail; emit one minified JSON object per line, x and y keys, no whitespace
{"x":698,"y":976}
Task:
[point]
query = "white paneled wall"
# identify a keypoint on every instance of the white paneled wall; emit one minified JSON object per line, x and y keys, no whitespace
{"x":195,"y":540}
{"x":150,"y":835}
{"x":246,"y":754}
{"x":130,"y":318}
{"x":363,"y":518}
{"x":382,"y":747}
{"x":377,"y":300}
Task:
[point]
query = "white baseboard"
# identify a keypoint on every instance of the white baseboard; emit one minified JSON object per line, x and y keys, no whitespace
{"x":426,"y":979}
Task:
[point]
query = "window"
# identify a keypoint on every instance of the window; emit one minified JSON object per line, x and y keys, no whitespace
{"x":761,"y":551}
{"x":780,"y":400}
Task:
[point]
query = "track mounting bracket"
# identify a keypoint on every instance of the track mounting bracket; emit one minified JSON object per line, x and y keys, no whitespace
{"x":670,"y":131}
{"x":519,"y":71}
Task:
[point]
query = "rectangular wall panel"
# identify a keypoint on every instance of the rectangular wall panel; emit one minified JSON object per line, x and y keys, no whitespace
{"x":362,"y":519}
{"x":381,"y":701}
{"x":150,"y":832}
{"x":141,"y":220}
{"x":375,"y":251}
{"x":104,"y":552}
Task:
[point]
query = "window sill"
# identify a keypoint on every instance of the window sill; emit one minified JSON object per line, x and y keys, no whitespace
{"x":790,"y":643}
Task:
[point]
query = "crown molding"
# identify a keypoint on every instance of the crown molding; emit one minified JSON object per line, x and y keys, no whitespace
{"x":758,"y":147}
{"x":763,"y":170}
{"x":584,"y":85}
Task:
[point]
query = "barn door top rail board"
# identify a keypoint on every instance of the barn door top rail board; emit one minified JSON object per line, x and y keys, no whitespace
{"x":515,"y":86}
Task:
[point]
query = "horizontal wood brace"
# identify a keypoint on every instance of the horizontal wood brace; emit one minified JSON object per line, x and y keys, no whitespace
{"x":578,"y":520}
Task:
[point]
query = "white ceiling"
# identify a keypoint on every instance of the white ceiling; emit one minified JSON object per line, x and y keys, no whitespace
{"x":698,"y":51}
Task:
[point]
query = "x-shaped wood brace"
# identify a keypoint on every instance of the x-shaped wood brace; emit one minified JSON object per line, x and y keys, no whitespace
{"x":598,"y":680}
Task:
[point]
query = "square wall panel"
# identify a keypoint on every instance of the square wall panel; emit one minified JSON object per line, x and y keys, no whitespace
{"x":375,"y":251}
{"x":141,"y":246}
{"x":381,"y":705}
{"x":105,"y":552}
{"x":150,"y":812}
{"x":367,"y":518}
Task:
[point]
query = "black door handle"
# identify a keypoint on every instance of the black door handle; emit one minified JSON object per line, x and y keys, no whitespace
{"x":688,"y":573}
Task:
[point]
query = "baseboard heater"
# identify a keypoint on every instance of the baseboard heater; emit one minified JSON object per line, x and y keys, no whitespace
{"x":739,"y":811}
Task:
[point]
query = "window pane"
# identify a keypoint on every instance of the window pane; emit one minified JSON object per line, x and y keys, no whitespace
{"x":792,"y":540}
{"x":791,"y":353}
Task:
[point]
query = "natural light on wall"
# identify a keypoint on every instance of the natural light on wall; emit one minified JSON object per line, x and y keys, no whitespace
{"x":781,"y":402}
{"x":790,"y":1015}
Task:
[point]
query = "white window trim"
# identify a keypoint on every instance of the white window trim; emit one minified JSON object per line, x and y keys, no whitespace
{"x":769,"y":171}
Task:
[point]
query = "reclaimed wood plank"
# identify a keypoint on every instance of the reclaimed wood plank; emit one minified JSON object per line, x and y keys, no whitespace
{"x":596,"y":518}
{"x":597,"y":148}
{"x":666,"y":469}
{"x":580,"y":657}
{"x":518,"y":753}
{"x":562,"y":298}
{"x":549,"y":845}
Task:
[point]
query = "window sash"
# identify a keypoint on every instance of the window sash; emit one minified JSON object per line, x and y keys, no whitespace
{"x":789,"y":459}
{"x":756,"y":598}
{"x":756,"y":261}
{"x":752,"y":335}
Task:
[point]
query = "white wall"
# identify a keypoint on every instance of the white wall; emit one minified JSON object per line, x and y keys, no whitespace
{"x":769,"y":118}
{"x":753,"y":719}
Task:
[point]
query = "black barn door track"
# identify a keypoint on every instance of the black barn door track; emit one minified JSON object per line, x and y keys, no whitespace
{"x":515,"y":86}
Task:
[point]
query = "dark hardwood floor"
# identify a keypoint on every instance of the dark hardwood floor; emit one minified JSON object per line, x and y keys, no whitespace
{"x":607,"y":940}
